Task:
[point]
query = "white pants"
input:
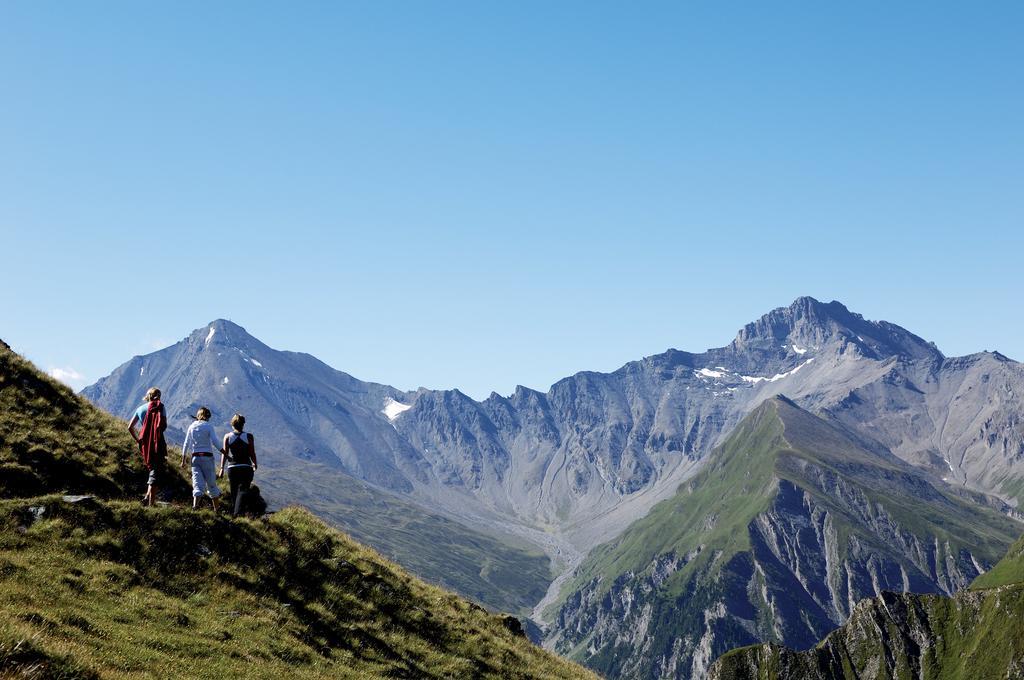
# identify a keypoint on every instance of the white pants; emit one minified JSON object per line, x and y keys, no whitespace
{"x":204,"y":477}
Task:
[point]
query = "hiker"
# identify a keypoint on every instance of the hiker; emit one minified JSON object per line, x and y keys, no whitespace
{"x":239,"y":451}
{"x":201,"y":443}
{"x":153,"y":419}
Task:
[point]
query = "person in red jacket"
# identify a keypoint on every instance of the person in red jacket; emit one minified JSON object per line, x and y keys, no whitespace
{"x":151,"y":441}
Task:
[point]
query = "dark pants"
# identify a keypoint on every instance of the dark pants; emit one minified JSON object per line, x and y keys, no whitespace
{"x":240,"y":477}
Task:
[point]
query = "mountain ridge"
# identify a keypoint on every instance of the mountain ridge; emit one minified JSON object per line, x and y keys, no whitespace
{"x":789,"y":523}
{"x":971,"y":634}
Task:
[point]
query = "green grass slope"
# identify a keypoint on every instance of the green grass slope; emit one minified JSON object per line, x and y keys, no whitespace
{"x":52,"y":441}
{"x":502,"y":575}
{"x":106,"y":588}
{"x":1008,"y":570}
{"x":780,"y":441}
{"x":736,"y":485}
{"x":111,"y":589}
{"x":975,"y":635}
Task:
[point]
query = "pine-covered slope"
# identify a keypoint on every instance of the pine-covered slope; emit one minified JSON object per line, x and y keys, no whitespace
{"x":102,"y":587}
{"x":791,"y":522}
{"x":975,"y":634}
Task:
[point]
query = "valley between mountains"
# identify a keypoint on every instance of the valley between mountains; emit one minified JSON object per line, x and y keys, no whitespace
{"x":651,"y":518}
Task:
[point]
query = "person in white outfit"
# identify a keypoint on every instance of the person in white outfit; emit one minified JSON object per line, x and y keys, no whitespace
{"x":201,"y":444}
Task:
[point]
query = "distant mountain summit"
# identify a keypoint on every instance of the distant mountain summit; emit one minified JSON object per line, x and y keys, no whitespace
{"x":810,"y":323}
{"x":298,"y":405}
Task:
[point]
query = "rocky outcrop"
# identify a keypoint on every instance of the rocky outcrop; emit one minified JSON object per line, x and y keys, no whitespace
{"x":975,"y":634}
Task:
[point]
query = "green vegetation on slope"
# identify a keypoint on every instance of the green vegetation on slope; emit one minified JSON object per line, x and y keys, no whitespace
{"x":489,"y":570}
{"x":713,"y":509}
{"x":105,"y":588}
{"x":780,"y":441}
{"x":973,"y":635}
{"x":1008,"y":570}
{"x":908,"y":498}
{"x":123,"y":590}
{"x":54,"y":441}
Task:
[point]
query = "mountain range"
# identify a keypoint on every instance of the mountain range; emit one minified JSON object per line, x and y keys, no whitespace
{"x":563,"y":471}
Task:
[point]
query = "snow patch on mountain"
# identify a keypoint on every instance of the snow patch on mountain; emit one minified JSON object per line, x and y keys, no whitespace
{"x":392,"y":409}
{"x":778,"y":376}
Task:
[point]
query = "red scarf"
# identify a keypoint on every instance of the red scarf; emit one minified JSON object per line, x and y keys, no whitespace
{"x":151,"y":440}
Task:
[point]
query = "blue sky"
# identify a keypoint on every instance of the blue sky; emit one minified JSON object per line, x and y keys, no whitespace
{"x":476,"y":195}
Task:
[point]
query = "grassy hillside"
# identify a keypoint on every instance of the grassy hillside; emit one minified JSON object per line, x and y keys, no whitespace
{"x":114,"y":589}
{"x":734,"y":487}
{"x":974,"y":635}
{"x":53,"y":441}
{"x":106,"y":588}
{"x":484,"y":568}
{"x":781,"y":441}
{"x":1008,"y":570}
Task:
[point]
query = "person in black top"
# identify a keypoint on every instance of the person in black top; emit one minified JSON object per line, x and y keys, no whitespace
{"x":239,"y":453}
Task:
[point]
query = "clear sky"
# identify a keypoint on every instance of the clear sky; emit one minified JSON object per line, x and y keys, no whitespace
{"x":481,"y":194}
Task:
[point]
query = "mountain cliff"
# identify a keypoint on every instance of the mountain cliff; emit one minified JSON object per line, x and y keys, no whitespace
{"x":792,"y":520}
{"x":974,"y":634}
{"x":94,"y":585}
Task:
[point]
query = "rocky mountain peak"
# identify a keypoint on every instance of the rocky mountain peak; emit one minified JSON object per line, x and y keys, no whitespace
{"x":808,"y":322}
{"x":806,"y":318}
{"x":221,"y":332}
{"x":783,"y":400}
